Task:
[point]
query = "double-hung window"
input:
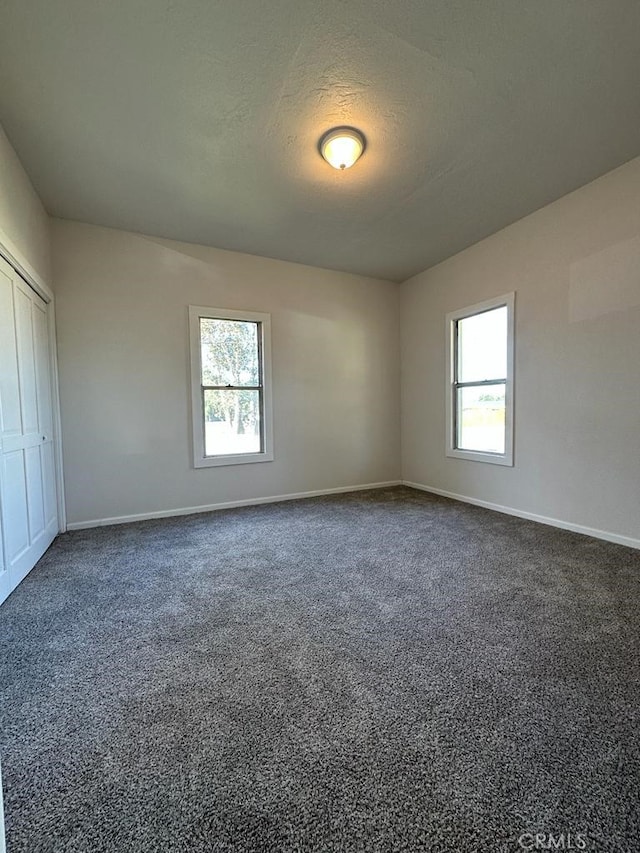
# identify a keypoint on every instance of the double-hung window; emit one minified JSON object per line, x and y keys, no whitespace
{"x":230,"y":386}
{"x":479,"y":404}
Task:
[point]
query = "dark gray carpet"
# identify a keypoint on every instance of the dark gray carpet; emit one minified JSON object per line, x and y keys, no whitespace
{"x":381,"y":671}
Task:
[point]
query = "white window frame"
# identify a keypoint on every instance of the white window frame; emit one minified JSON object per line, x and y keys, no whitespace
{"x":506,"y":458}
{"x":200,"y":459}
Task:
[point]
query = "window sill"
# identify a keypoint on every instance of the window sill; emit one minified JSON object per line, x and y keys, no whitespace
{"x":505,"y":459}
{"x":237,"y":459}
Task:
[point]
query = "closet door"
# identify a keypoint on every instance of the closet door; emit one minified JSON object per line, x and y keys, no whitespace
{"x":27,"y":470}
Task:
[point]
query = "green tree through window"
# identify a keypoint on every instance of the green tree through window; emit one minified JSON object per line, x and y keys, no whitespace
{"x":232,"y":413}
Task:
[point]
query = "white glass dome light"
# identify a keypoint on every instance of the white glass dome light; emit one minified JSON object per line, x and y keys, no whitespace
{"x":342,"y":146}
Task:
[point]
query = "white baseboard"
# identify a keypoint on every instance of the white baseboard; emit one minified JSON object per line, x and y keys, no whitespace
{"x":629,"y":541}
{"x":191,"y":510}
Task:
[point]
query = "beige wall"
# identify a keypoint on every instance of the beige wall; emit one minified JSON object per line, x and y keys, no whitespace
{"x":575,"y":267}
{"x":121,"y":303}
{"x":24,"y":224}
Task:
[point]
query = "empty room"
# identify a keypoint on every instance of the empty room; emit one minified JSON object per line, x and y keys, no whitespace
{"x":319,"y":426}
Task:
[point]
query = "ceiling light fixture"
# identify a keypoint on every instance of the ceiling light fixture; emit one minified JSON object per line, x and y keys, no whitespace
{"x":342,"y":146}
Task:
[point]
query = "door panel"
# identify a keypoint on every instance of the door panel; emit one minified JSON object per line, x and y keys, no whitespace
{"x":49,"y":481}
{"x":26,"y":361}
{"x":15,"y":515}
{"x":43,"y":371}
{"x":35,"y":497}
{"x":10,"y":416}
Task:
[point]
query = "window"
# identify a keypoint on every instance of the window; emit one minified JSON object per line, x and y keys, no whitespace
{"x":230,"y":386}
{"x":480,"y":382}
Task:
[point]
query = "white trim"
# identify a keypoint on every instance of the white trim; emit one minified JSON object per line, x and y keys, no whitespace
{"x":21,"y":265}
{"x":618,"y":538}
{"x":506,"y":458}
{"x":191,"y":510}
{"x":2,"y":840}
{"x":200,"y":459}
{"x":57,"y":421}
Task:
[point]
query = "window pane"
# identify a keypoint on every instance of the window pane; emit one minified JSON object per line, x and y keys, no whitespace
{"x":229,"y":352}
{"x":480,"y":418}
{"x":482,"y":346}
{"x":231,"y":422}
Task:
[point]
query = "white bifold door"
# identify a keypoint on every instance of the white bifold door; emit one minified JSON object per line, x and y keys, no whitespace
{"x":28,"y":506}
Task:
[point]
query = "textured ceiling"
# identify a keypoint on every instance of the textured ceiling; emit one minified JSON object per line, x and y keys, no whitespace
{"x":199,"y":120}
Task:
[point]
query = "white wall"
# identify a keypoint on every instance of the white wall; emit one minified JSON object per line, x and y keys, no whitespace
{"x":122,"y":323}
{"x":24,"y":224}
{"x":575,"y":267}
